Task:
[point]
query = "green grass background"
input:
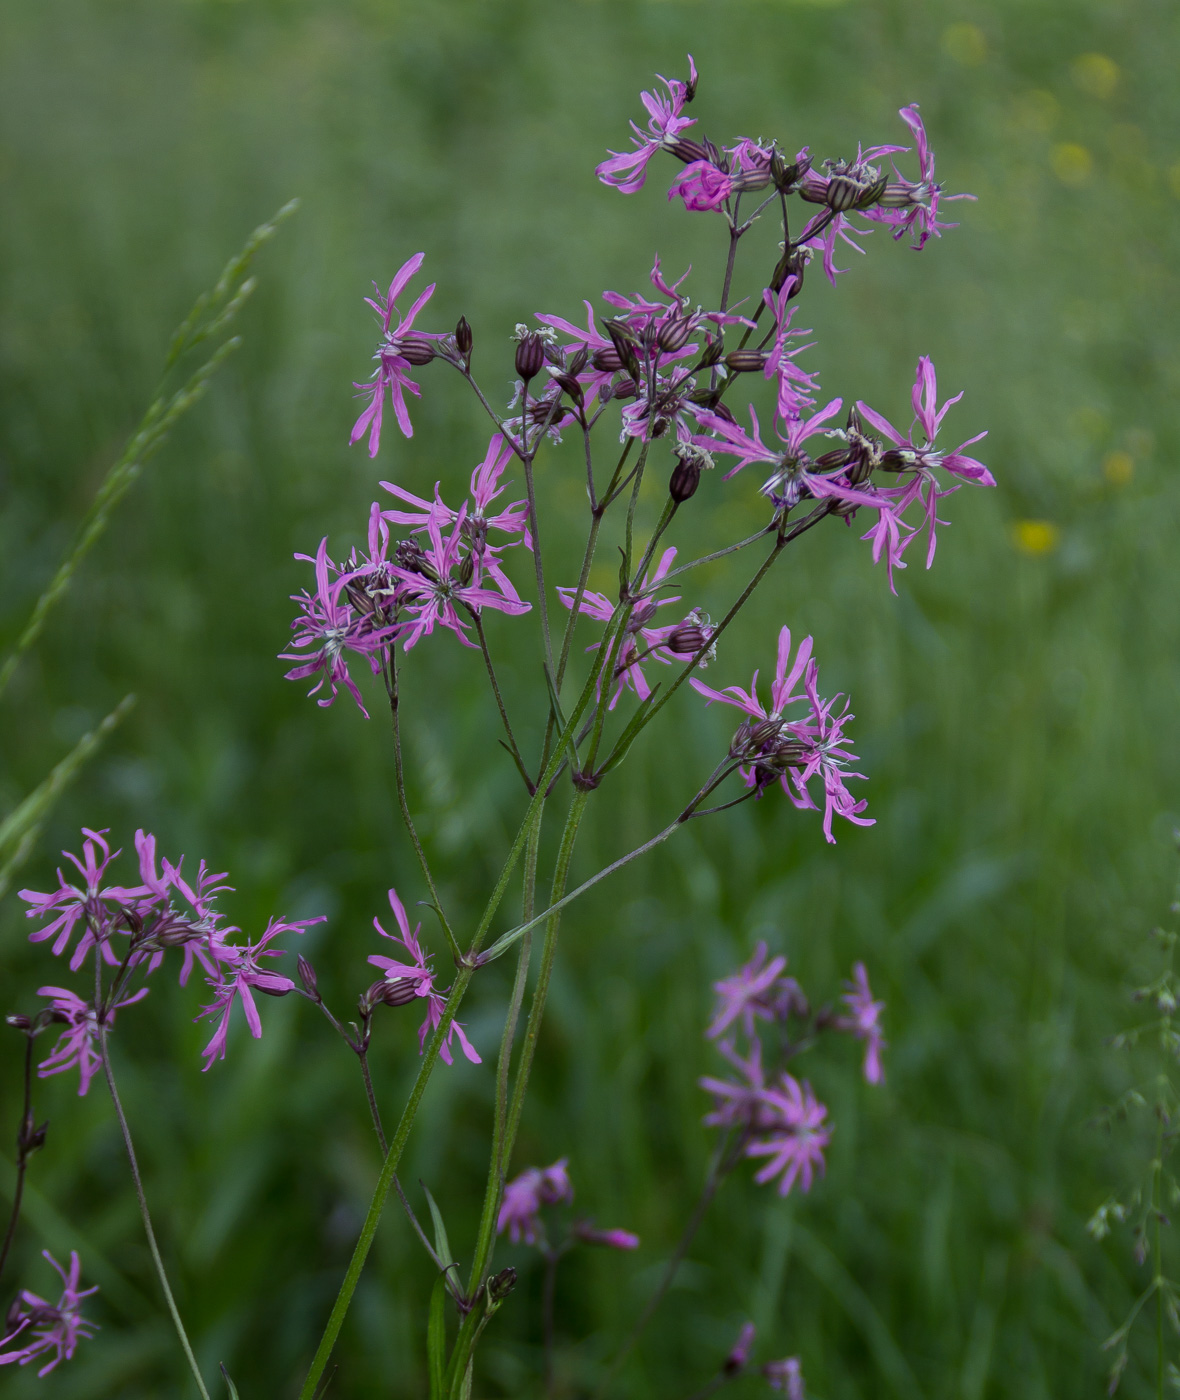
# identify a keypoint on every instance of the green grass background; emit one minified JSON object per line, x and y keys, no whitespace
{"x":1016,"y":711}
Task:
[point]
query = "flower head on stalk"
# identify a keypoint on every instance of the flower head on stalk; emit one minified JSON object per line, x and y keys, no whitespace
{"x":45,"y":1327}
{"x":398,"y":352}
{"x":794,"y":752}
{"x":197,"y":929}
{"x":102,"y":908}
{"x":524,"y":1195}
{"x":627,"y":170}
{"x":846,"y":188}
{"x":331,"y":624}
{"x":432,"y":581}
{"x":794,"y":385}
{"x":913,"y":207}
{"x":239,"y":975}
{"x":416,"y":979}
{"x":865,"y":1021}
{"x":914,"y":464}
{"x":75,"y":1047}
{"x":796,"y":476}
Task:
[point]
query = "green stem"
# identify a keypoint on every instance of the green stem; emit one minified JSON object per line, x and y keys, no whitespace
{"x":104,"y":1055}
{"x":463,"y":1342}
{"x":458,"y":989}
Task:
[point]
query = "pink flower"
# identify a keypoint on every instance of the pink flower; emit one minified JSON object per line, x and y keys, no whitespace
{"x":330,"y":626}
{"x":795,"y":1145}
{"x":865,"y":1018}
{"x":432,"y":582}
{"x":906,"y":206}
{"x":421,"y":976}
{"x":75,"y":1047}
{"x":794,"y":385}
{"x":627,"y":170}
{"x":585,"y":1231}
{"x":101,"y":908}
{"x":239,"y":974}
{"x":746,"y":995}
{"x":739,"y":1353}
{"x":393,"y":366}
{"x":520,"y":1210}
{"x":702,"y":186}
{"x":47,"y":1327}
{"x":786,"y":1375}
{"x":794,"y":751}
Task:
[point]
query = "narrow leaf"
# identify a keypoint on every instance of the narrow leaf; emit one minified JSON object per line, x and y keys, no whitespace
{"x":442,"y":1246}
{"x":229,"y":1385}
{"x":436,"y":1336}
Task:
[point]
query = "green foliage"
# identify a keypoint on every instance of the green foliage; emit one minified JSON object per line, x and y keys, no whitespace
{"x":1016,"y":706}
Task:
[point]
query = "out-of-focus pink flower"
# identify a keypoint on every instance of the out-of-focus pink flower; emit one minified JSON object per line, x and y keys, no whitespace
{"x":865,"y":1015}
{"x":739,"y":1353}
{"x":795,"y":1145}
{"x":786,"y":1375}
{"x":75,"y":1047}
{"x":585,"y":1231}
{"x":747,"y":994}
{"x":627,"y":170}
{"x":524,"y":1195}
{"x":420,"y":975}
{"x":46,"y":1327}
{"x":395,"y":356}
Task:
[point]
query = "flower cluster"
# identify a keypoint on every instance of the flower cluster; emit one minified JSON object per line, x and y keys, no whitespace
{"x":130,"y":928}
{"x":401,"y":591}
{"x":41,"y":1327}
{"x":794,"y":752}
{"x":535,"y":1187}
{"x":774,"y":1115}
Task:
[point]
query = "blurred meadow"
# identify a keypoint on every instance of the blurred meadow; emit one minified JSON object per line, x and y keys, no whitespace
{"x":1016,"y":706}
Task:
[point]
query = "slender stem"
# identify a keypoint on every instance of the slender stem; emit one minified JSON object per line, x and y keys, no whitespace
{"x":724,"y":1160}
{"x":670,"y":508}
{"x":23,"y":1139}
{"x":465,"y":1339}
{"x":1157,"y":1208}
{"x":458,"y":989}
{"x":711,"y":1387}
{"x":589,"y":466}
{"x":391,"y":685}
{"x":720,"y":553}
{"x":497,"y":1166}
{"x":513,"y":748}
{"x":363,"y":1057}
{"x":542,"y":593}
{"x":718,"y":776}
{"x":104,"y":1055}
{"x":734,"y":235}
{"x":548,"y":1299}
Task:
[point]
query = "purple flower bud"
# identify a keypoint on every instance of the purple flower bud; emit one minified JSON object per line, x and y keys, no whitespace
{"x":530,"y":355}
{"x":606,"y":360}
{"x":688,"y":639}
{"x":842,"y":193}
{"x":673,"y":335}
{"x":585,"y":1231}
{"x":623,"y":339}
{"x":463,"y":337}
{"x":625,"y":388}
{"x":395,"y":991}
{"x":307,"y":977}
{"x":570,"y":385}
{"x":18,"y":1022}
{"x":417,"y":349}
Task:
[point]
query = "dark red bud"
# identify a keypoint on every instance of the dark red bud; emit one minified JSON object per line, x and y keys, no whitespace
{"x":396,"y":992}
{"x":687,"y":640}
{"x":18,"y":1022}
{"x":417,"y":349}
{"x":842,"y":193}
{"x":570,"y":385}
{"x":686,"y":477}
{"x":530,"y":356}
{"x":463,"y":337}
{"x":673,"y":335}
{"x":606,"y":360}
{"x":745,"y":361}
{"x":625,"y":388}
{"x":501,"y":1284}
{"x":307,"y":977}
